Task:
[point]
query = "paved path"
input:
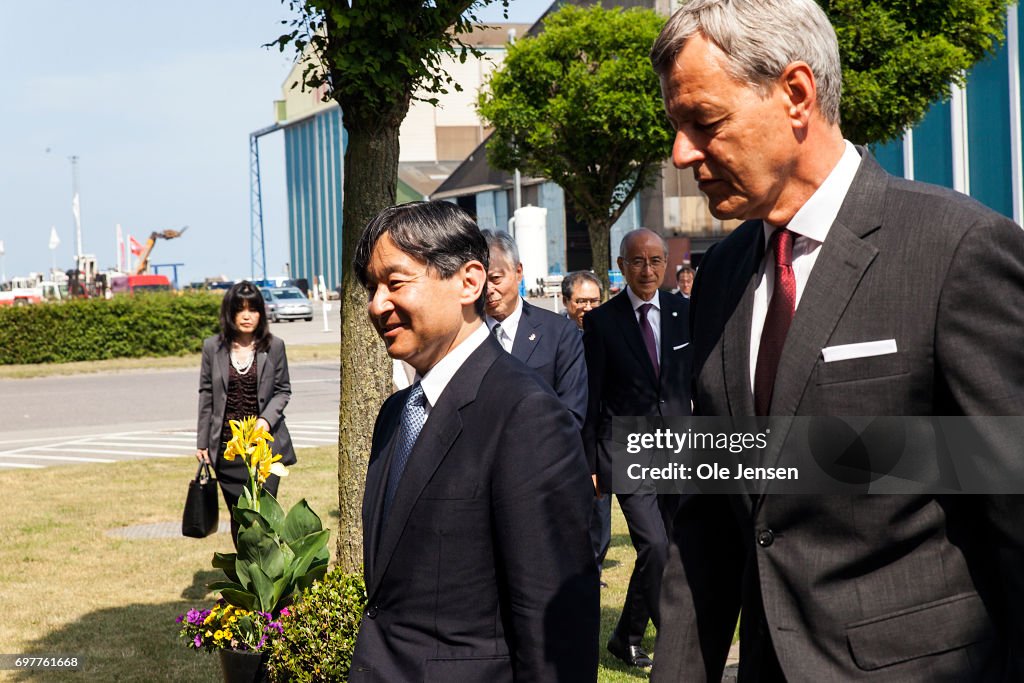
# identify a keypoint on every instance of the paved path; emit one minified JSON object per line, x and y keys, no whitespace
{"x":111,"y":447}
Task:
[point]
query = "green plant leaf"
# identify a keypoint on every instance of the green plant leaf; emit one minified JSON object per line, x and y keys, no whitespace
{"x":301,"y":521}
{"x":263,"y":588}
{"x":272,"y":512}
{"x":307,"y":579}
{"x":259,"y":546}
{"x":226,"y":563}
{"x":306,"y":550}
{"x":222,"y":585}
{"x":242,"y":599}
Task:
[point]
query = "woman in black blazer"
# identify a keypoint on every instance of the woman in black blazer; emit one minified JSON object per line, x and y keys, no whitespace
{"x":244,"y":373}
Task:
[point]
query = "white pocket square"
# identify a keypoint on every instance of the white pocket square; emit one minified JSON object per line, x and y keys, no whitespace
{"x":859,"y":350}
{"x":681,"y":346}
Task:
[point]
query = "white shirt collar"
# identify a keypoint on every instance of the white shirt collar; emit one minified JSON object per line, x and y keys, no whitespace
{"x":510,"y":324}
{"x":636,"y":302}
{"x":437,"y":377}
{"x":815,"y":217}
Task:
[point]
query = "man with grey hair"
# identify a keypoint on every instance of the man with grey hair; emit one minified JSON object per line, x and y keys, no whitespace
{"x":847,"y":292}
{"x":638,"y":361}
{"x":543,"y":340}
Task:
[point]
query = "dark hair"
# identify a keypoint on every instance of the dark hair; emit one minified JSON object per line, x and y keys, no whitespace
{"x":684,"y":269}
{"x":438,"y":233}
{"x":242,"y":295}
{"x":570,"y":281}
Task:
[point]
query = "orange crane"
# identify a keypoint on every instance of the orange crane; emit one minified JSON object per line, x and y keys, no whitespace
{"x":143,"y":266}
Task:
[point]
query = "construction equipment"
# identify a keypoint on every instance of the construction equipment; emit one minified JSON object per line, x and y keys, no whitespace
{"x":143,"y":265}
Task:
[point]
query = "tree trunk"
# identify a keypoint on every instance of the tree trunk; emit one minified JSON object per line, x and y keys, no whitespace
{"x":371,"y":171}
{"x":600,"y":236}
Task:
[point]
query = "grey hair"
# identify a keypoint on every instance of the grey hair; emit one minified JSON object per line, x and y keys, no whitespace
{"x":635,"y":233}
{"x":760,"y":39}
{"x":570,"y":281}
{"x":503,"y":242}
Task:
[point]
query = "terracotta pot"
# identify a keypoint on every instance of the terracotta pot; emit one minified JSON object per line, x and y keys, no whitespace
{"x":240,"y":666}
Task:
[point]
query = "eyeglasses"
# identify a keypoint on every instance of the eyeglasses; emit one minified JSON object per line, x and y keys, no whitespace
{"x":587,"y":302}
{"x":638,"y":263}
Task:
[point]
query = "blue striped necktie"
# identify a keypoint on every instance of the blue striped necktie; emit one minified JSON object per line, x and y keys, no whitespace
{"x":414,"y":414}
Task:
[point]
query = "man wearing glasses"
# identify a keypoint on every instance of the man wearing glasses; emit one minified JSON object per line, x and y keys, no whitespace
{"x":581,"y":292}
{"x":638,"y":363}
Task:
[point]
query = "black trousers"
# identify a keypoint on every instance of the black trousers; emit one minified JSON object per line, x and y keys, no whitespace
{"x":233,"y":478}
{"x":601,"y":528}
{"x":648,"y":533}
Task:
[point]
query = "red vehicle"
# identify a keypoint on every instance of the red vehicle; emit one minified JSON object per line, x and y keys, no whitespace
{"x":133,"y":284}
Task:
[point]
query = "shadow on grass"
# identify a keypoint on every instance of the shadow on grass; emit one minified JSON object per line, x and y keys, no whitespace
{"x":134,"y":642}
{"x":198,"y":589}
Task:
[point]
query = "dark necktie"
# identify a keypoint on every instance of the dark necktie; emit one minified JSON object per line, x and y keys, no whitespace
{"x":647,"y":332}
{"x":414,"y":414}
{"x":496,"y":331}
{"x":776,"y":322}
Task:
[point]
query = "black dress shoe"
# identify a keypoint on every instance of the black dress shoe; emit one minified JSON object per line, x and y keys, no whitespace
{"x":633,"y":655}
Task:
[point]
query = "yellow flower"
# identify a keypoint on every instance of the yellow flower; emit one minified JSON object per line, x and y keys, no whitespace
{"x":266,"y":463}
{"x":219,"y":635}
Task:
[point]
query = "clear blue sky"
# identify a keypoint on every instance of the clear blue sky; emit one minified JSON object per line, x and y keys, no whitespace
{"x":157,"y":101}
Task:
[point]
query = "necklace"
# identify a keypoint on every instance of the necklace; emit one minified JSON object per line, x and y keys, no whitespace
{"x":242,"y":362}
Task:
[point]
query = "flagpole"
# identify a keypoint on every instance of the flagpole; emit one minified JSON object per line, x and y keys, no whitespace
{"x":76,"y":209}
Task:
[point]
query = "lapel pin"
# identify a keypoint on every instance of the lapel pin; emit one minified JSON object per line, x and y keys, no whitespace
{"x":674,"y":314}
{"x":533,"y":336}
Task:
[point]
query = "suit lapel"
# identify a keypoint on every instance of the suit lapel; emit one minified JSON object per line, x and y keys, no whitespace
{"x":623,"y":308}
{"x":376,"y":483}
{"x":223,"y":364}
{"x":262,"y":360}
{"x":842,"y":262}
{"x":527,"y":335}
{"x":736,"y":338}
{"x":442,"y":428}
{"x":670,"y":321}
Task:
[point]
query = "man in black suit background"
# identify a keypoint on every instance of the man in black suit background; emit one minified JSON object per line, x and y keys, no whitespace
{"x":638,"y":362}
{"x":847,"y":292}
{"x":544,"y":340}
{"x":477,"y":504}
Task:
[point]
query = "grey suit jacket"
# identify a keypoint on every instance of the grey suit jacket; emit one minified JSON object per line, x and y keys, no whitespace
{"x":273,"y":389}
{"x":870,"y":588}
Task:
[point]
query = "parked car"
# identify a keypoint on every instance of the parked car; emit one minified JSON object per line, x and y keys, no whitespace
{"x":286,"y":303}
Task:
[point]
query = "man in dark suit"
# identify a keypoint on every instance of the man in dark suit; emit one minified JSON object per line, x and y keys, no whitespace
{"x":638,"y":361}
{"x":847,"y":292}
{"x":477,"y":502}
{"x":544,"y":340}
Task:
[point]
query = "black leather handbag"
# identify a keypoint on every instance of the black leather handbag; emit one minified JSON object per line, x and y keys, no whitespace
{"x":201,"y":505}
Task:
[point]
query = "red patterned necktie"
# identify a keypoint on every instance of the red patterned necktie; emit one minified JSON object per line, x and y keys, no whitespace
{"x":776,"y":322}
{"x":647,"y":332}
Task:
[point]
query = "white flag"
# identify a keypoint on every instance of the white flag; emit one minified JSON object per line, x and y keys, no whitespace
{"x":54,"y":240}
{"x":2,"y":248}
{"x":77,"y":211}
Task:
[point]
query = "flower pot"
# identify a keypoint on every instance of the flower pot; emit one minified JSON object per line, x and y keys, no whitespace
{"x":239,"y":666}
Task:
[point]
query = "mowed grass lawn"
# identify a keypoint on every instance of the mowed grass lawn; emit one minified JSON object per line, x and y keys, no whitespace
{"x":71,"y":588}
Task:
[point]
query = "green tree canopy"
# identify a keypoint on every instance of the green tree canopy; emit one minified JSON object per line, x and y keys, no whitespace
{"x":900,"y":56}
{"x":580,"y":104}
{"x":370,"y":57}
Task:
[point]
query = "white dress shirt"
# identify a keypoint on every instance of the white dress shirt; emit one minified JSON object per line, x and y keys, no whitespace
{"x":653,"y":315}
{"x":811,"y":225}
{"x":507,"y":334}
{"x":437,"y":377}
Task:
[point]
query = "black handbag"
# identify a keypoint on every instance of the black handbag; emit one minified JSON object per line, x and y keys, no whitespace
{"x":201,"y":505}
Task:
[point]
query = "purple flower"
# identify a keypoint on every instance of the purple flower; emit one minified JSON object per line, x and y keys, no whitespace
{"x":198,"y":642}
{"x":181,"y":617}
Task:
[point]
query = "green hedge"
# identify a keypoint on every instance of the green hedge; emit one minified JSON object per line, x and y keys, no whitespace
{"x":154,"y":324}
{"x":319,"y":635}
